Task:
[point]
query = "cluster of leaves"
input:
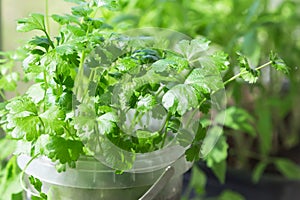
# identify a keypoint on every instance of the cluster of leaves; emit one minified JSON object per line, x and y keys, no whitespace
{"x":144,"y":85}
{"x":52,"y":65}
{"x":143,"y":80}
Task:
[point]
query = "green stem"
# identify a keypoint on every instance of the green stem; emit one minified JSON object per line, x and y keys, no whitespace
{"x":159,"y":91}
{"x":47,"y":16}
{"x":80,"y":73}
{"x":46,"y":88}
{"x":191,"y":117}
{"x":3,"y":96}
{"x":47,"y":24}
{"x":49,"y":39}
{"x":137,"y":115}
{"x":68,"y":131}
{"x":165,"y":126}
{"x":189,"y":73}
{"x":233,"y":78}
{"x":241,"y":73}
{"x":23,"y":171}
{"x":43,"y":124}
{"x":264,"y":65}
{"x":80,"y":68}
{"x":195,"y":60}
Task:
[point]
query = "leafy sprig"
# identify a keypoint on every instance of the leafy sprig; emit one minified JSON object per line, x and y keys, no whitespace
{"x":250,"y":75}
{"x":37,"y":184}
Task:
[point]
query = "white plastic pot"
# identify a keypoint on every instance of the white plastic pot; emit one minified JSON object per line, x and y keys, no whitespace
{"x":93,"y":180}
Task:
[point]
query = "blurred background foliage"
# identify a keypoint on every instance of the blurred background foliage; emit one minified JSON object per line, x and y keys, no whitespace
{"x":254,"y":27}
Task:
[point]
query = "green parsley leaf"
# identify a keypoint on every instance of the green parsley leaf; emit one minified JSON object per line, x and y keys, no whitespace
{"x":193,"y":153}
{"x":8,"y":82}
{"x":172,"y":65}
{"x":278,"y":63}
{"x":66,"y":19}
{"x":247,"y":73}
{"x":250,"y":75}
{"x":64,"y":150}
{"x":192,"y":49}
{"x":66,"y":101}
{"x":109,"y":4}
{"x":39,"y":41}
{"x":36,"y":93}
{"x":205,"y":79}
{"x":53,"y":119}
{"x":23,"y":119}
{"x":220,"y":59}
{"x":31,"y":64}
{"x":181,"y":96}
{"x":148,"y":140}
{"x":117,"y":158}
{"x":162,"y":65}
{"x":85,"y":121}
{"x":81,"y":11}
{"x":146,"y":103}
{"x":126,"y":64}
{"x":76,"y":30}
{"x":65,"y":49}
{"x":106,"y":122}
{"x":35,"y":21}
{"x":37,"y":184}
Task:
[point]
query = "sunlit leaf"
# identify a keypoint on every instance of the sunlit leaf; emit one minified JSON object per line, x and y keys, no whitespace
{"x":34,"y":22}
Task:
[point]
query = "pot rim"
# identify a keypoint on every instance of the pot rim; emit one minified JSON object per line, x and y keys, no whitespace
{"x":92,"y":174}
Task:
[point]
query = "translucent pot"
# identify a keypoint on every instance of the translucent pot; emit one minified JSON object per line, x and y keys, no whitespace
{"x":93,"y":180}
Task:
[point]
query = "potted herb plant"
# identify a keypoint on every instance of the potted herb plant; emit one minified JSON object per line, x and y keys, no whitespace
{"x":113,"y":114}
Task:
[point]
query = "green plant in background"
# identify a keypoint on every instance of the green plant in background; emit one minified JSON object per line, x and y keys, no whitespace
{"x":10,"y":187}
{"x":197,"y":185}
